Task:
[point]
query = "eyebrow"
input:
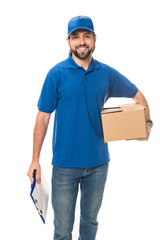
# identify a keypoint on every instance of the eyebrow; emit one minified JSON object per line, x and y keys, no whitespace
{"x":74,"y":34}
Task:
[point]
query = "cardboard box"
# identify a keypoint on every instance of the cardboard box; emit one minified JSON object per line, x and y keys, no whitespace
{"x":125,"y":122}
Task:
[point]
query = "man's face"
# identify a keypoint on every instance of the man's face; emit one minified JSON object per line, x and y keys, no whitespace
{"x":82,"y":43}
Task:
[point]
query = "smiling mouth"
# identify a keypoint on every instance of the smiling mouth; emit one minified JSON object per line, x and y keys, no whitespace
{"x":82,"y":49}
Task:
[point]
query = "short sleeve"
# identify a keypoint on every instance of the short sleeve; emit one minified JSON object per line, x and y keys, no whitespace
{"x":120,"y":86}
{"x":49,"y":94}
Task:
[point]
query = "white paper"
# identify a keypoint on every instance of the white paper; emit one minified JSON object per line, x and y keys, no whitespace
{"x":41,"y":196}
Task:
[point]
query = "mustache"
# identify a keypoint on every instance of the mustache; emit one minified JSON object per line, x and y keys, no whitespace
{"x":84,"y":45}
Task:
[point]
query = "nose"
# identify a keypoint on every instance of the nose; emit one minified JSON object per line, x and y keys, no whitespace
{"x":82,"y":40}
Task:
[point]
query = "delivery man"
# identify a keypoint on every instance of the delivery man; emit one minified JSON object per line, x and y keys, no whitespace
{"x":77,"y":89}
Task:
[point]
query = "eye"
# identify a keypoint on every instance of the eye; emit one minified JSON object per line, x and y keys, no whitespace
{"x":87,"y":36}
{"x":75,"y":37}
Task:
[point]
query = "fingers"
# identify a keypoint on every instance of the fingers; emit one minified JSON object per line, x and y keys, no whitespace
{"x":38,"y":176}
{"x":31,"y":178}
{"x":149,"y":126}
{"x":38,"y":172}
{"x":30,"y":175}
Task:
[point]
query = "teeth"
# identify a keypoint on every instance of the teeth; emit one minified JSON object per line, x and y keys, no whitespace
{"x":82,"y":48}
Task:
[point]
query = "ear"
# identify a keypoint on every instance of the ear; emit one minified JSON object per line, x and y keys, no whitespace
{"x":95,"y":38}
{"x":68,"y":40}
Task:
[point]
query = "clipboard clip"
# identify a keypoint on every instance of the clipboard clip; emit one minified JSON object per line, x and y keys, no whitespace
{"x":34,"y":174}
{"x":36,"y":205}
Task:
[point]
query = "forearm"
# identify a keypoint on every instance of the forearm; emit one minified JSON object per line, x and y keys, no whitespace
{"x":39,"y":133}
{"x":140,"y":99}
{"x":40,"y":130}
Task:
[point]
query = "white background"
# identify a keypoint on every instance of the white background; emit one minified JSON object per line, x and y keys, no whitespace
{"x":33,"y":39}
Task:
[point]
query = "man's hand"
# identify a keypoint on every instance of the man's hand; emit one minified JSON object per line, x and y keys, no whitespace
{"x":149,"y":126}
{"x":34,"y":165}
{"x":140,"y":99}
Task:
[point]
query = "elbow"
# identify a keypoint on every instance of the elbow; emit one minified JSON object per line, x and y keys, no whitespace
{"x":138,"y":97}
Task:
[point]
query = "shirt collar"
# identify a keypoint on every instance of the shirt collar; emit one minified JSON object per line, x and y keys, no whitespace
{"x":73,"y":65}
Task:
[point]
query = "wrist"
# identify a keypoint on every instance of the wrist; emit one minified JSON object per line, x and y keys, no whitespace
{"x":149,"y":121}
{"x":35,"y":159}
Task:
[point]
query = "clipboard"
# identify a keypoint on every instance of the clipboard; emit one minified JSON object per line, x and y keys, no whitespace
{"x":40,"y":195}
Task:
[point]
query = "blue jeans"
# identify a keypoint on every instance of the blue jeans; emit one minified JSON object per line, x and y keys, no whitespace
{"x":65,"y":183}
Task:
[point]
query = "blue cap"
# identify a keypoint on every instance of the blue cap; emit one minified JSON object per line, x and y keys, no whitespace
{"x":80,"y":22}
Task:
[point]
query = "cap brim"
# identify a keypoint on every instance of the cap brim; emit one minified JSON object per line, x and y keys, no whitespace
{"x":80,"y":28}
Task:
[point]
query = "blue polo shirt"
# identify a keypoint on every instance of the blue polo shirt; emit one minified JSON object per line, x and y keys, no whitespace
{"x":78,"y":97}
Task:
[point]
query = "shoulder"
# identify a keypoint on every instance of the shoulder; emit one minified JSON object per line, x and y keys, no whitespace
{"x":103,"y":66}
{"x":106,"y":69}
{"x":112,"y":74}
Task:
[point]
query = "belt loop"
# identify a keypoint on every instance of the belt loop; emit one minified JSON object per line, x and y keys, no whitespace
{"x":85,"y":171}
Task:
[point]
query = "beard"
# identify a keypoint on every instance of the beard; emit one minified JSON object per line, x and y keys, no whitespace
{"x":82,"y":55}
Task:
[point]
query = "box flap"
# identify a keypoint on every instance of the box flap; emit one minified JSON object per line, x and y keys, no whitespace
{"x":124,"y":107}
{"x":131,"y":107}
{"x":111,"y":110}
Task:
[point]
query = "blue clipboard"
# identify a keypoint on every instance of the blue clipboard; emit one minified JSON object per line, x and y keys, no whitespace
{"x":40,"y":196}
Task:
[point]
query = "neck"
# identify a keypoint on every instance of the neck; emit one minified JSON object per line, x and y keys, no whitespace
{"x":85,"y":63}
